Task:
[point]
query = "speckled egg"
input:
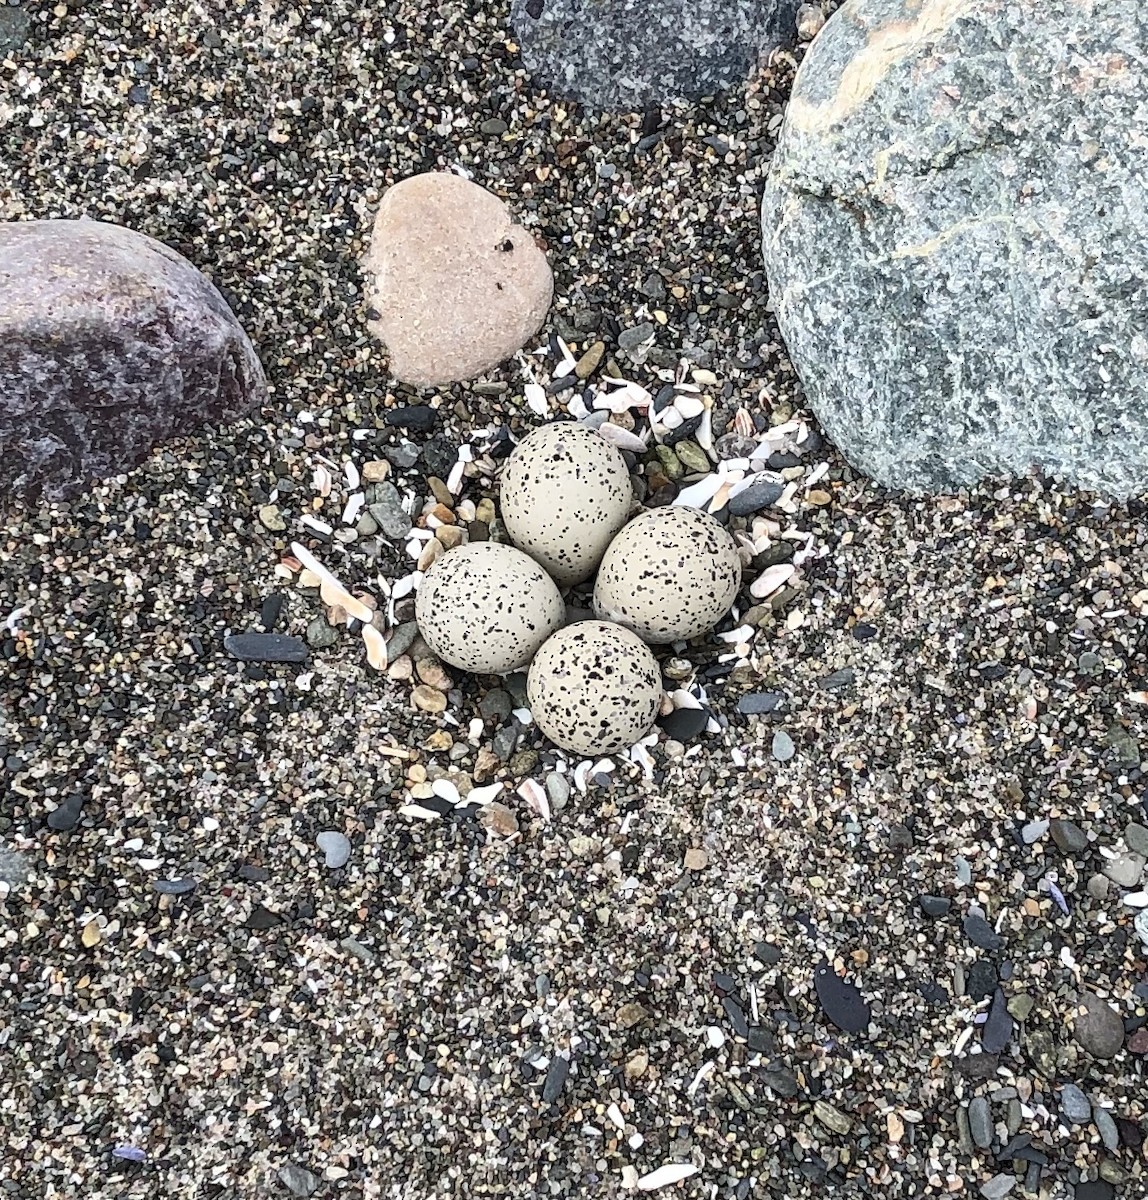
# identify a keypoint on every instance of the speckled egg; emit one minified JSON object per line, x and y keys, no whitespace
{"x":565,"y":492}
{"x":487,"y":607}
{"x":671,"y":574}
{"x":594,"y":688}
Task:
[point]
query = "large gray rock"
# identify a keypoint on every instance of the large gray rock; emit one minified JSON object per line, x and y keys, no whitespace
{"x":628,"y":55}
{"x":109,"y":343}
{"x":956,"y":239}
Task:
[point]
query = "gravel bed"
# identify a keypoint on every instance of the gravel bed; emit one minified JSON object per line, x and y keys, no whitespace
{"x":251,"y":944}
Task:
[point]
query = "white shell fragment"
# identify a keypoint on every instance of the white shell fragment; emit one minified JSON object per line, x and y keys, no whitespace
{"x":376,"y":647}
{"x":664,"y":1176}
{"x":331,"y":591}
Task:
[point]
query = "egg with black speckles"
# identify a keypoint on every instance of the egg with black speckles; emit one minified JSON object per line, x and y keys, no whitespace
{"x":565,"y":492}
{"x":487,"y":607}
{"x":594,"y":688}
{"x":671,"y":574}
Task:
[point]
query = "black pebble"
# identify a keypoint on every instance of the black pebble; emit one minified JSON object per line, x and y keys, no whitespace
{"x":420,"y":417}
{"x":263,"y":918}
{"x":555,"y":1078}
{"x":759,"y":702}
{"x":736,"y":1016}
{"x":685,"y":723}
{"x":981,"y":981}
{"x":981,"y":933}
{"x":864,"y":632}
{"x":768,"y":953}
{"x":266,"y":647}
{"x":269,"y":613}
{"x":755,"y":497}
{"x":761,"y":1040}
{"x":254,"y":874}
{"x":68,"y":814}
{"x":934,"y":906}
{"x":997,"y":1030}
{"x":841,"y":1001}
{"x":1095,"y":1189}
{"x":933,"y":993}
{"x":724,"y":983}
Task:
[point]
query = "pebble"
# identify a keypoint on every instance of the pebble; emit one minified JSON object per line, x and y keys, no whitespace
{"x":557,"y":791}
{"x":1034,"y":831}
{"x":998,"y":1187}
{"x":840,"y":1000}
{"x":428,"y":699}
{"x":767,"y":953}
{"x":782,"y":1081}
{"x":980,"y":1122}
{"x":685,"y":724}
{"x":67,"y":814}
{"x":335,"y":846}
{"x":588,"y":363}
{"x":631,"y":339}
{"x":981,"y":933}
{"x":832,"y":1118}
{"x":1095,"y":1189}
{"x":735,"y":1014}
{"x":387,"y":509}
{"x":320,"y":634}
{"x":1068,"y":836}
{"x":981,"y":980}
{"x":556,"y":1076}
{"x":432,"y":672}
{"x":1074,"y":1105}
{"x":755,"y":497}
{"x":402,"y":638}
{"x":1097,"y":1027}
{"x":174,"y":887}
{"x":271,"y":518}
{"x":14,"y":868}
{"x":1098,"y":887}
{"x":756,"y":703}
{"x":1136,"y":837}
{"x":1106,"y":1127}
{"x":1126,"y":870}
{"x":498,"y":819}
{"x":696,"y":859}
{"x":298,"y":1180}
{"x":934,"y":906}
{"x":375,"y":471}
{"x":997,"y":1031}
{"x":266,"y":647}
{"x":418,"y":417}
{"x":782,"y":748}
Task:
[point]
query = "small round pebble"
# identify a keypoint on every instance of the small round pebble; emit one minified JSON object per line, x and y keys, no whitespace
{"x":782,"y":748}
{"x":335,"y":847}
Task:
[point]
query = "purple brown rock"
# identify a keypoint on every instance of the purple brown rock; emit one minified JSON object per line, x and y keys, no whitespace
{"x":110,"y":343}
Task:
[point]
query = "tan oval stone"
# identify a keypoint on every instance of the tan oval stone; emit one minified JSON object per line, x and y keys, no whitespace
{"x":456,"y":285}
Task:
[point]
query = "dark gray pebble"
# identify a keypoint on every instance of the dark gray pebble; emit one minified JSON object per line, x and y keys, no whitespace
{"x":783,"y":1082}
{"x":736,"y":1017}
{"x":981,"y":980}
{"x":842,"y":1003}
{"x":419,"y":417}
{"x":934,"y":906}
{"x":997,"y":1030}
{"x":759,"y":702}
{"x":981,"y":933}
{"x":755,"y":498}
{"x":684,"y":724}
{"x":269,"y":613}
{"x":767,"y":952}
{"x":1068,"y":836}
{"x":263,"y":918}
{"x":266,"y":647}
{"x":67,"y":814}
{"x":555,"y":1078}
{"x":174,"y":887}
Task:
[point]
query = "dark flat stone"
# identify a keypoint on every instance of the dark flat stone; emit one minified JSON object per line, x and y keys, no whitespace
{"x":263,"y":918}
{"x":981,"y":933}
{"x":933,"y":992}
{"x":981,"y":980}
{"x":841,"y":1001}
{"x":174,"y":887}
{"x":68,"y":814}
{"x":736,"y":1016}
{"x":684,"y":724}
{"x":1068,"y":836}
{"x":759,"y":702}
{"x":419,"y":417}
{"x":783,"y":1082}
{"x":254,"y":874}
{"x":767,"y":953}
{"x":1096,"y":1189}
{"x":997,"y":1030}
{"x":724,"y":983}
{"x":761,"y":1040}
{"x":270,"y":610}
{"x":556,"y":1077}
{"x":266,"y":647}
{"x":977,"y":1066}
{"x":755,"y":497}
{"x":934,"y":906}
